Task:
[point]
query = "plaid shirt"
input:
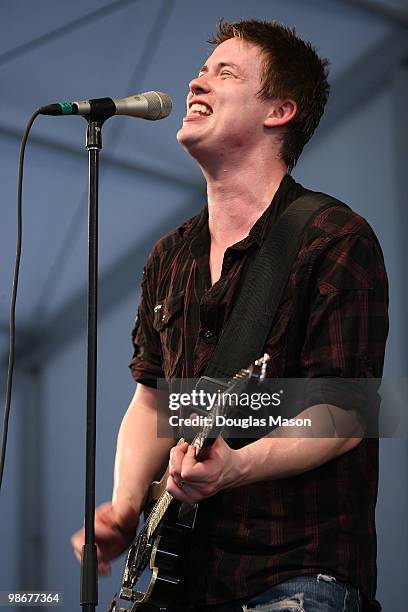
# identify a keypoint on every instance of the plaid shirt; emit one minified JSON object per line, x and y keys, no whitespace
{"x":332,"y":321}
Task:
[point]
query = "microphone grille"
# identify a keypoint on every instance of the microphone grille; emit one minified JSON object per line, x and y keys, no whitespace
{"x":159,"y":105}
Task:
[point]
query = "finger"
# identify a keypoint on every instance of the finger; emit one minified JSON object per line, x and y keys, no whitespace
{"x":194,"y":471}
{"x":177,"y":452}
{"x":191,"y":451}
{"x":192,"y":493}
{"x":77,"y":541}
{"x":104,"y":569}
{"x":77,"y":555}
{"x":186,"y":493}
{"x":177,"y":455}
{"x":175,"y":480}
{"x":207,"y":471}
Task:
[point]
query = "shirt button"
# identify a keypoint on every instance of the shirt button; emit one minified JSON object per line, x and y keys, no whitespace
{"x":207,"y":334}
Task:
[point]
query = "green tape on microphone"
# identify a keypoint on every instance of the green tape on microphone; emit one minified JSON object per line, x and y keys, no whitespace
{"x":66,"y":108}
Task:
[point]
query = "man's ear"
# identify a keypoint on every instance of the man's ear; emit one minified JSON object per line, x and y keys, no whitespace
{"x":280,"y":113}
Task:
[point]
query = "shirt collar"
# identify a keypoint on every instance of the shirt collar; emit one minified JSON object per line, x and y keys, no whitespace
{"x":286,"y":193}
{"x":284,"y":196}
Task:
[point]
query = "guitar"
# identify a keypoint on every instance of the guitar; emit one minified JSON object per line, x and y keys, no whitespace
{"x":152,"y":577}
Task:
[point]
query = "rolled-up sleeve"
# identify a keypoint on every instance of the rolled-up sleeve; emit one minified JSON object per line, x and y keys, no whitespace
{"x":348,"y":325}
{"x":343,"y":348}
{"x":146,"y":364}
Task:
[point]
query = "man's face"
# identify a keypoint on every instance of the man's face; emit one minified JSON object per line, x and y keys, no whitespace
{"x":224,"y":113}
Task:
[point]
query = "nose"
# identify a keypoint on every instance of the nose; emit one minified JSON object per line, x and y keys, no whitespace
{"x":199,"y":84}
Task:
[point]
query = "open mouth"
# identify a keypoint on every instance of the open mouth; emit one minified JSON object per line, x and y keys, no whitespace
{"x":199,"y":109}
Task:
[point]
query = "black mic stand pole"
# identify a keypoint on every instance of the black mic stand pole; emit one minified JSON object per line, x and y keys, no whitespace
{"x":89,"y":564}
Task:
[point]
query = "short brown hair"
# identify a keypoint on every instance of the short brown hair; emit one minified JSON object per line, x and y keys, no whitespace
{"x":291,"y":69}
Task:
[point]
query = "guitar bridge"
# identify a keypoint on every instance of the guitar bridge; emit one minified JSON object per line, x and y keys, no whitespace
{"x":127,"y":594}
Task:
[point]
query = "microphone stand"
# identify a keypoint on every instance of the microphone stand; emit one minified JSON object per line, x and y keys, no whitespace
{"x":155,"y":105}
{"x":151,"y":105}
{"x":89,"y":564}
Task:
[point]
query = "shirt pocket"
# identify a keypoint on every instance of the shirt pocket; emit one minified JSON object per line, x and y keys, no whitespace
{"x":168,"y":322}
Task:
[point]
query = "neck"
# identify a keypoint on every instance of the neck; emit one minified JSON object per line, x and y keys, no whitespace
{"x":238,"y":194}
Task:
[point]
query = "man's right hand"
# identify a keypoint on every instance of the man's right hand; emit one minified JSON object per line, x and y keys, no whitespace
{"x":113,"y":535}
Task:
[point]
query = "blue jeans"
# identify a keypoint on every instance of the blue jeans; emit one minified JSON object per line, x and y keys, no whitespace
{"x":309,"y":593}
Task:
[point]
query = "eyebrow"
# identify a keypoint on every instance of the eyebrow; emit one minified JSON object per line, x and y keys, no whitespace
{"x":220,"y":65}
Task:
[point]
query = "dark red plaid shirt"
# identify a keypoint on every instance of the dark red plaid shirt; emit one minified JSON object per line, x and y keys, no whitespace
{"x":332,"y":321}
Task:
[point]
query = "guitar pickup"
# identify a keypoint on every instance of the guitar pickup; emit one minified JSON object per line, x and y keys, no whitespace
{"x":187,"y":516}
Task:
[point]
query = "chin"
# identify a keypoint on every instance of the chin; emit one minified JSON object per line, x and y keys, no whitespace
{"x":180,"y":136}
{"x":185,"y":134}
{"x":189,"y":142}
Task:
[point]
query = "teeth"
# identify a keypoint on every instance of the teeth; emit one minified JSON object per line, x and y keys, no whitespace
{"x":199,"y":109}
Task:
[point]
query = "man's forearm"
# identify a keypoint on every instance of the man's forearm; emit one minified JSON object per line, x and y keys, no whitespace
{"x":140,"y":454}
{"x":273,"y":458}
{"x":333,"y":431}
{"x":270,"y":458}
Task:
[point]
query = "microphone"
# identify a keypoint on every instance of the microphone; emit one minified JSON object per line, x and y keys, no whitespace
{"x":150,"y":105}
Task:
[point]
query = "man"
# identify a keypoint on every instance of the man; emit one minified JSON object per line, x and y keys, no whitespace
{"x":283,"y":523}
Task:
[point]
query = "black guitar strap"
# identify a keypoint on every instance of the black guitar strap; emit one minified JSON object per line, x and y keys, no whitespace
{"x":252,"y":318}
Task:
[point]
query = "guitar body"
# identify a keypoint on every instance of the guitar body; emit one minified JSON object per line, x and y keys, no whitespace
{"x":152,"y":579}
{"x":154,"y":566}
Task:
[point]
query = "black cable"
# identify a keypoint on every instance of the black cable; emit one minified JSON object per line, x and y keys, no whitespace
{"x":156,"y":31}
{"x":12,"y":329}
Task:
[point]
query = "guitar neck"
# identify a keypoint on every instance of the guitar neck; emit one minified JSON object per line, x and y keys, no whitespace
{"x":203,"y":441}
